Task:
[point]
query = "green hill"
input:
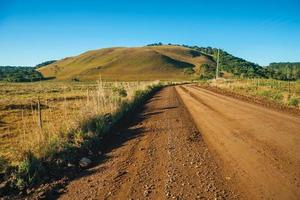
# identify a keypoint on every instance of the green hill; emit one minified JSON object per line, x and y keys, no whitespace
{"x":152,"y":62}
{"x":232,"y":65}
{"x":140,"y":63}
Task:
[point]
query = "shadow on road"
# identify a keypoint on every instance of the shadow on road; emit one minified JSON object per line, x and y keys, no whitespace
{"x":117,"y":138}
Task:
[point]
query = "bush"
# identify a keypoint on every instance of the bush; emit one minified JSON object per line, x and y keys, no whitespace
{"x":275,"y":96}
{"x":188,"y":71}
{"x":206,"y":71}
{"x":293,"y":101}
{"x":29,"y":171}
{"x":120,"y":91}
{"x":3,"y":165}
{"x":53,"y":146}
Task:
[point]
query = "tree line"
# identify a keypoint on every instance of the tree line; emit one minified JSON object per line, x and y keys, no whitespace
{"x":284,"y":70}
{"x":23,"y":73}
{"x":19,"y":74}
{"x":242,"y":68}
{"x":45,"y":63}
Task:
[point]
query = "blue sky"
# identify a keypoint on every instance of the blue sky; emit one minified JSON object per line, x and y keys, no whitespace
{"x":33,"y":31}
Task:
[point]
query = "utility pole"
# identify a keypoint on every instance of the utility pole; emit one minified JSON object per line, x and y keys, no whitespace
{"x":217,"y":70}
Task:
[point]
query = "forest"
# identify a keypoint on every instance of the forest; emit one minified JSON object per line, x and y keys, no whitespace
{"x":19,"y":74}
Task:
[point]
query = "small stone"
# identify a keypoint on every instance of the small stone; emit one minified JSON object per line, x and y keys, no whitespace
{"x":59,"y":161}
{"x":70,"y":165}
{"x":60,"y":191}
{"x":120,"y":173}
{"x":146,"y":193}
{"x":28,"y":191}
{"x":84,"y":162}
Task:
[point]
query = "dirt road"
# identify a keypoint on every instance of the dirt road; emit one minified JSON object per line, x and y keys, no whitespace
{"x":258,"y":147}
{"x":190,"y":143}
{"x":160,"y":156}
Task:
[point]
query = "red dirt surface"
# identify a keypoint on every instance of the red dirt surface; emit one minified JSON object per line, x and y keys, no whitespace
{"x":258,"y":147}
{"x":192,"y":143}
{"x":162,"y":156}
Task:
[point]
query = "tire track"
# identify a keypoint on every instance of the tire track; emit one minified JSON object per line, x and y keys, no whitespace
{"x":167,"y":159}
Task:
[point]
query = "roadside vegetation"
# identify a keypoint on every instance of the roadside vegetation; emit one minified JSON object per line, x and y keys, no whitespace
{"x":35,"y":114}
{"x":282,"y":92}
{"x":50,"y":122}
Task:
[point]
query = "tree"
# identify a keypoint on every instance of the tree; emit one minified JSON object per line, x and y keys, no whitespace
{"x":206,"y":71}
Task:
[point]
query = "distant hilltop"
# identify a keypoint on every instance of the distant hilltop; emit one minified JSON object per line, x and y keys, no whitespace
{"x":152,"y":62}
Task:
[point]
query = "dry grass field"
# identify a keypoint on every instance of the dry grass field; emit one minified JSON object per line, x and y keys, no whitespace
{"x":64,"y":106}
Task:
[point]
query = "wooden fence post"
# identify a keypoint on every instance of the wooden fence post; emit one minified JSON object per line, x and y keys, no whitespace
{"x":40,"y":122}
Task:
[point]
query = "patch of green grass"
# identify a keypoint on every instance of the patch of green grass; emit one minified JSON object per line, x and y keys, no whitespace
{"x":294,"y":101}
{"x":275,"y":96}
{"x":29,"y":172}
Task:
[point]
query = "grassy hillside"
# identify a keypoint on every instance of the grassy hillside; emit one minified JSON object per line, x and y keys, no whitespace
{"x":141,"y":63}
{"x":163,"y":62}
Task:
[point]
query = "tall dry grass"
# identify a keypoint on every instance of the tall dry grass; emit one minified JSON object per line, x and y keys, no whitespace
{"x":65,"y":110}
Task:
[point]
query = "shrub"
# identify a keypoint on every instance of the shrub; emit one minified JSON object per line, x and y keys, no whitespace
{"x":275,"y":96}
{"x":3,"y":165}
{"x":120,"y":91}
{"x":51,"y":146}
{"x":206,"y":71}
{"x":29,"y":171}
{"x":188,"y":71}
{"x":293,"y":101}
